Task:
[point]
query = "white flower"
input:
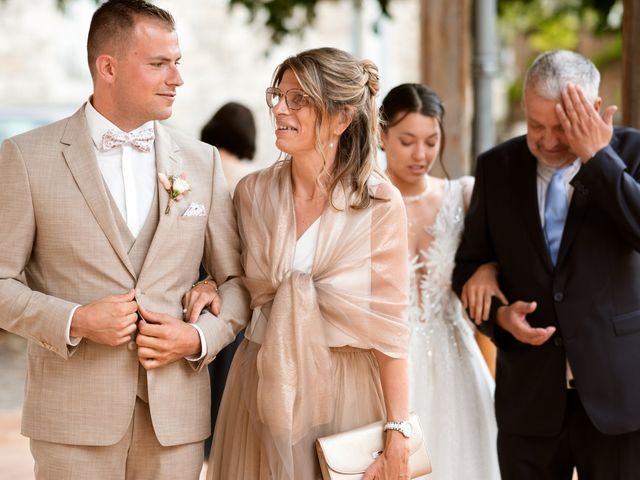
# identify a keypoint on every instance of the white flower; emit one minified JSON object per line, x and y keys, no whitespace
{"x":176,"y":186}
{"x":180,"y":186}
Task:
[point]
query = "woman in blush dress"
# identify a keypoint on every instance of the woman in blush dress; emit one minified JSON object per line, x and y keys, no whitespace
{"x":324,"y":251}
{"x":451,"y":387}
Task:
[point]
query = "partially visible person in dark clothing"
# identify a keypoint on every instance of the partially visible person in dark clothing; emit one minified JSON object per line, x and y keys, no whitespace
{"x":232,"y":130}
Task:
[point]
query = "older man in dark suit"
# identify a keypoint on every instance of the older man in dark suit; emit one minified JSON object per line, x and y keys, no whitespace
{"x":558,"y":210}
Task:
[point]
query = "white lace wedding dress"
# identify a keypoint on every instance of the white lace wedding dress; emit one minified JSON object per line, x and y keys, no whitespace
{"x":452,"y":389}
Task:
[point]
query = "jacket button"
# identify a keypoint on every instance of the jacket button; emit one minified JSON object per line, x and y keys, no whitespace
{"x":131,"y":346}
{"x":558,"y":296}
{"x":557,"y":341}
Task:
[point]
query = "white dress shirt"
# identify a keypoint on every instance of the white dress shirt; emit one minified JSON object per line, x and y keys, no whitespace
{"x":131,"y":177}
{"x":129,"y":173}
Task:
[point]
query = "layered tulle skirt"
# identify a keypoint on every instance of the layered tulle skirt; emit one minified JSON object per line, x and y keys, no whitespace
{"x":244,"y":449}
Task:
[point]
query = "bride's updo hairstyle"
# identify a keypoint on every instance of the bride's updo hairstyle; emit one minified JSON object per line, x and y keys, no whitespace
{"x":339,"y":84}
{"x":413,"y":98}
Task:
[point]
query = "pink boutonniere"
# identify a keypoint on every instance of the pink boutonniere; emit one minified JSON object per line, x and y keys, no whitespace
{"x":176,"y":186}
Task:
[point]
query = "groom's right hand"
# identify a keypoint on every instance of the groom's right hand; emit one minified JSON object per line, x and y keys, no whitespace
{"x":110,"y":320}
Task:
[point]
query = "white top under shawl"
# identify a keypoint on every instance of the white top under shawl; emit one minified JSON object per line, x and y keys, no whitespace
{"x":303,"y":262}
{"x":306,"y":248}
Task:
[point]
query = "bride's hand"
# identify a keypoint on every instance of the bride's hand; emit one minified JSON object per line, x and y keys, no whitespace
{"x":478,"y":291}
{"x":203,"y":294}
{"x":393,"y":464}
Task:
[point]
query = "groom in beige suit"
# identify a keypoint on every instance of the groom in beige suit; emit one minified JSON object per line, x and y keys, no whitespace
{"x":96,"y":255}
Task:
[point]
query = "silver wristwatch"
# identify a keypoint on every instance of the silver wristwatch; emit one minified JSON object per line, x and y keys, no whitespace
{"x":404,"y":428}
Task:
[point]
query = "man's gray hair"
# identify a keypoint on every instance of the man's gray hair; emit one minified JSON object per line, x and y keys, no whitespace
{"x":550,"y":72}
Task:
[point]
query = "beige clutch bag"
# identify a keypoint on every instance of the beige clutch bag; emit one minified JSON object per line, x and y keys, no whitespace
{"x":346,"y":455}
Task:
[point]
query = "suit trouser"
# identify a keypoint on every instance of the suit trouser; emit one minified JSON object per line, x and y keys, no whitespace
{"x":595,"y":455}
{"x":137,"y":456}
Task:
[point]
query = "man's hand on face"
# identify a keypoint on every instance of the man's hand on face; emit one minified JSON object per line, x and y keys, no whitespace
{"x":110,"y":320}
{"x":163,"y":339}
{"x":513,"y":319}
{"x":586,"y":131}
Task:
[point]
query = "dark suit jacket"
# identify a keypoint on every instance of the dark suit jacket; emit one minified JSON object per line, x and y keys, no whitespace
{"x":592,"y":296}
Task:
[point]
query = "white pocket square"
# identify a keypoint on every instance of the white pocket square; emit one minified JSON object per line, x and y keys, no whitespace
{"x":195,"y":210}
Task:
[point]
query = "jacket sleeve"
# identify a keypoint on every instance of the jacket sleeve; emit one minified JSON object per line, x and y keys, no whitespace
{"x":30,"y":314}
{"x":476,"y":247}
{"x":612,"y":184}
{"x":222,"y":262}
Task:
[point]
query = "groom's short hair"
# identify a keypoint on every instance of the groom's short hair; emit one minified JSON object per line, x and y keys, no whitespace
{"x":112,"y":23}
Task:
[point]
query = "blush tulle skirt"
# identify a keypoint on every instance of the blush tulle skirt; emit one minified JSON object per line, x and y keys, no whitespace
{"x":243,"y":450}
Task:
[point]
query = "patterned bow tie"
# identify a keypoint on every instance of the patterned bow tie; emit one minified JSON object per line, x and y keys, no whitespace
{"x":142,"y":139}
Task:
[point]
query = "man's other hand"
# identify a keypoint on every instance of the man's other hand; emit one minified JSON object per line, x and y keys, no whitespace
{"x":513,"y":319}
{"x":110,"y":320}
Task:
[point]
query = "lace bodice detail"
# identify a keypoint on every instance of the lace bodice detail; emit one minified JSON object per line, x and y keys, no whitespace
{"x":433,"y":302}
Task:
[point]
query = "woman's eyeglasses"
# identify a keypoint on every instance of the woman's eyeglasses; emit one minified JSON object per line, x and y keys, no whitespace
{"x":294,"y":98}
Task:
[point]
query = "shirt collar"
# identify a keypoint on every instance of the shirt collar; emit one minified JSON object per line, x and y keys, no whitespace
{"x":546,"y":172}
{"x":98,"y":124}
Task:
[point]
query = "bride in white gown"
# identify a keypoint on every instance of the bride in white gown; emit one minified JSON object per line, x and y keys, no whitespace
{"x":451,"y":387}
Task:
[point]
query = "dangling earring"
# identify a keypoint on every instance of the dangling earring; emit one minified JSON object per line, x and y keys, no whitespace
{"x":331,"y":145}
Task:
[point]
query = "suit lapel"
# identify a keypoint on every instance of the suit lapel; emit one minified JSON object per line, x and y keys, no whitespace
{"x":80,"y":156}
{"x":577,"y":209}
{"x":167,"y":162}
{"x":525,"y":191}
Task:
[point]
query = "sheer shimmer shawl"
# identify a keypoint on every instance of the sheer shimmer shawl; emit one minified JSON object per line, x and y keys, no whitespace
{"x":293,"y":396}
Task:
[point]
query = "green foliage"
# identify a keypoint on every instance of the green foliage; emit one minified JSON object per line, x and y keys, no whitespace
{"x":554,"y":21}
{"x":597,"y":10}
{"x":551,"y":24}
{"x":62,"y":4}
{"x":611,"y":53}
{"x":287,"y":17}
{"x":283,"y":17}
{"x":515,"y":92}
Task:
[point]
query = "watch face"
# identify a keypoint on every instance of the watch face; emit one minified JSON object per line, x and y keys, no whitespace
{"x":407,"y":429}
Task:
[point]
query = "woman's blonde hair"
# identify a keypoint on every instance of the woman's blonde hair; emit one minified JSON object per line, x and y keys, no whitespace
{"x":338,"y":83}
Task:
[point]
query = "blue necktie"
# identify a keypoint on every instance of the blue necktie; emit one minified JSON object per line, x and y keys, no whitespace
{"x":555,"y":213}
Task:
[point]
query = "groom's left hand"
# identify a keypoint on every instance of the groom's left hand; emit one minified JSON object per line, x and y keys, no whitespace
{"x":163,"y":339}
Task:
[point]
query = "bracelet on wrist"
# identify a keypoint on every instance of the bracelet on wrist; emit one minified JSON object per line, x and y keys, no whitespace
{"x":205,"y":282}
{"x":404,"y":427}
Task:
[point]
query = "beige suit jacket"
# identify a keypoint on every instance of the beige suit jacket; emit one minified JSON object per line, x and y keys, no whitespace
{"x":59,"y":230}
